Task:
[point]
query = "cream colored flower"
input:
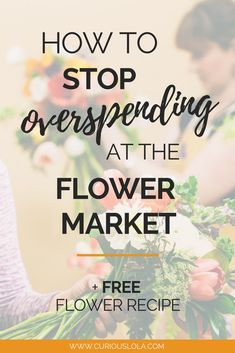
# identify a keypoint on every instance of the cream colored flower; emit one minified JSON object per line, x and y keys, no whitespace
{"x":37,"y":137}
{"x":187,"y":237}
{"x":74,"y":146}
{"x":183,"y":234}
{"x":38,"y":88}
{"x":15,"y":55}
{"x":119,"y":241}
{"x":45,"y":154}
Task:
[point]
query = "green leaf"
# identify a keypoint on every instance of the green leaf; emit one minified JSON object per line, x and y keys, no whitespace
{"x":106,"y":248}
{"x":228,"y":127}
{"x":218,"y":325}
{"x":181,"y":259}
{"x":205,"y":323}
{"x":191,"y":322}
{"x":198,"y":306}
{"x":6,"y":112}
{"x":226,"y":245}
{"x":218,"y":255}
{"x":187,"y":190}
{"x":225,"y":304}
{"x":230,"y":203}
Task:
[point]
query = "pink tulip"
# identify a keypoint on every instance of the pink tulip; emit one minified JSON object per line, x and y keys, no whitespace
{"x":83,"y":263}
{"x":207,"y":279}
{"x":110,"y":200}
{"x":73,"y":261}
{"x":101,"y":269}
{"x":95,"y":247}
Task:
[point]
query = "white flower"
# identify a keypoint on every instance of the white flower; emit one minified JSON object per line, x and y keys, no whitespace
{"x":74,"y":146}
{"x":131,"y":162}
{"x":61,"y":52}
{"x":83,"y":247}
{"x":46,"y":154}
{"x":15,"y":55}
{"x":187,"y":237}
{"x":183,"y":233}
{"x":119,"y":241}
{"x":38,"y":88}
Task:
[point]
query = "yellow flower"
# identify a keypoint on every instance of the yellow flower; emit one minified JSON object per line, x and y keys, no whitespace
{"x":77,"y":63}
{"x":31,"y":66}
{"x":26,"y":91}
{"x":36,"y":137}
{"x":47,"y":58}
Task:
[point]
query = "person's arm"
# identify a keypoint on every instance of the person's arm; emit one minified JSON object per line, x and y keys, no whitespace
{"x":17,"y":300}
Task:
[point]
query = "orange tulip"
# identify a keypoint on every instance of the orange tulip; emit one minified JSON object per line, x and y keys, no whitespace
{"x":61,"y":97}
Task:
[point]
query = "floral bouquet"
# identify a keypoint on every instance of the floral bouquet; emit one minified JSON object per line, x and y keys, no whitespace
{"x":44,"y":89}
{"x":194,"y":264}
{"x":195,"y":260}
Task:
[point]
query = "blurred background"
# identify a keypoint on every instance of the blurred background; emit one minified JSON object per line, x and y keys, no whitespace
{"x":43,"y":248}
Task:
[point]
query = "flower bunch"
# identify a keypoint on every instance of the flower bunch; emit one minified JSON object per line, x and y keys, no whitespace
{"x":43,"y":87}
{"x":89,"y":264}
{"x":192,"y":266}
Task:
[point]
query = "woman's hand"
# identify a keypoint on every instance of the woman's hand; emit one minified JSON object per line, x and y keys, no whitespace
{"x":106,"y":322}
